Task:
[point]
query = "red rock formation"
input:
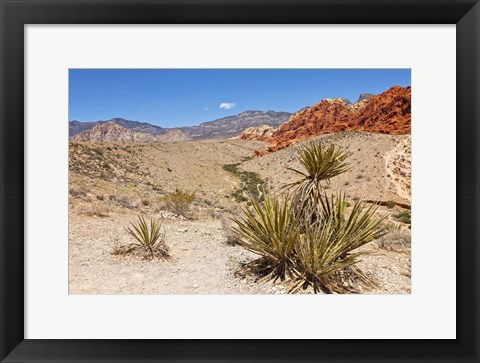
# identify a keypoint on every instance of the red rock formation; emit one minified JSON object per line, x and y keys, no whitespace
{"x":389,"y":113}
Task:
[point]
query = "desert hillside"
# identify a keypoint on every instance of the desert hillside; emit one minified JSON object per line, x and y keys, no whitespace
{"x":380,"y":166}
{"x":111,"y":183}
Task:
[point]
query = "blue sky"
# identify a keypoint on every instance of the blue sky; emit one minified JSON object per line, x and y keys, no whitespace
{"x":184,"y":97}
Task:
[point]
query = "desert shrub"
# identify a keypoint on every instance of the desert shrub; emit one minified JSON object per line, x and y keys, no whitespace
{"x":390,"y":204}
{"x":251,"y":183}
{"x":229,"y":234}
{"x":96,"y":210}
{"x":306,"y":236}
{"x":145,"y":202}
{"x":150,"y":237}
{"x":404,"y":217}
{"x":397,"y":238}
{"x":179,"y":202}
{"x":77,"y":193}
{"x":125,"y":202}
{"x":97,"y":150}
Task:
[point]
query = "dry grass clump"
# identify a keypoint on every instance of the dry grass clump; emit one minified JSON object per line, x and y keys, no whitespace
{"x":149,"y":238}
{"x":95,"y":210}
{"x":179,"y":202}
{"x":307,"y":237}
{"x":230,"y":237}
{"x":397,"y":239}
{"x":77,"y":193}
{"x":124,"y":202}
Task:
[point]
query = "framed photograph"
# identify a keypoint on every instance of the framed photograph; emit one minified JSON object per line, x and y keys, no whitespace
{"x":239,"y":181}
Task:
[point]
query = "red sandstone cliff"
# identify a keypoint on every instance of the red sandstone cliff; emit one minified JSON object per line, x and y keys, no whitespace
{"x":388,"y":113}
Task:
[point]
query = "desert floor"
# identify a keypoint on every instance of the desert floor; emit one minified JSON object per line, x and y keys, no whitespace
{"x":112,"y":183}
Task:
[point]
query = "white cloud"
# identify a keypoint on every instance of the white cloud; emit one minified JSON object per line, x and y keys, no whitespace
{"x":227,"y":105}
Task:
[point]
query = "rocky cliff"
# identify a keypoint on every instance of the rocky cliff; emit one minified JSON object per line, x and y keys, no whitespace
{"x":388,"y":113}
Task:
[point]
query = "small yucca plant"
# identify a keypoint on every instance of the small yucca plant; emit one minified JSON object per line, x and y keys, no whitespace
{"x":148,"y":236}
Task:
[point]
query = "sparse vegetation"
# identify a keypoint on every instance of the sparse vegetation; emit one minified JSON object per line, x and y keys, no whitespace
{"x":96,"y":210}
{"x":149,"y":237}
{"x":397,"y":239}
{"x":204,"y":243}
{"x":251,"y":183}
{"x":306,"y":236}
{"x":77,"y":193}
{"x":404,"y":217}
{"x":179,"y":202}
{"x":230,"y":236}
{"x":124,"y":202}
{"x":390,"y":204}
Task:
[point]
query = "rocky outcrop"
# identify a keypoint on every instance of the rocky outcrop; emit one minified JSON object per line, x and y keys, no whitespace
{"x":365,"y":96}
{"x":257,"y":133}
{"x":362,"y":101}
{"x":113,"y":132}
{"x":389,"y":113}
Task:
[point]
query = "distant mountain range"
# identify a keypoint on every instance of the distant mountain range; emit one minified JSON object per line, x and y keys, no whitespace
{"x":388,"y":112}
{"x":143,"y":132}
{"x":113,"y":132}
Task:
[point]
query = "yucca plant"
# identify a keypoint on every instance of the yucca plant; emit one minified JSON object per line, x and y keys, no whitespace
{"x":306,"y":235}
{"x":329,"y":246}
{"x":149,"y":236}
{"x":269,"y":229}
{"x":320,"y":164}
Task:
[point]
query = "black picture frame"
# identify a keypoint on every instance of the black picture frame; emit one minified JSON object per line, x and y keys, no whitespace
{"x":17,"y":13}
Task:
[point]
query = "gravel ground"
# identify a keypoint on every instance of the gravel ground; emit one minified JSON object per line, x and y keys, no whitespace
{"x":201,"y":261}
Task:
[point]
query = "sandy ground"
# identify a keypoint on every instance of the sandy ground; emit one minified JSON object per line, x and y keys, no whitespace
{"x":201,"y":260}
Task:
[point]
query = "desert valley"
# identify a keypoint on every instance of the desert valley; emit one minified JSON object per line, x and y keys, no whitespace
{"x":197,"y":180}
